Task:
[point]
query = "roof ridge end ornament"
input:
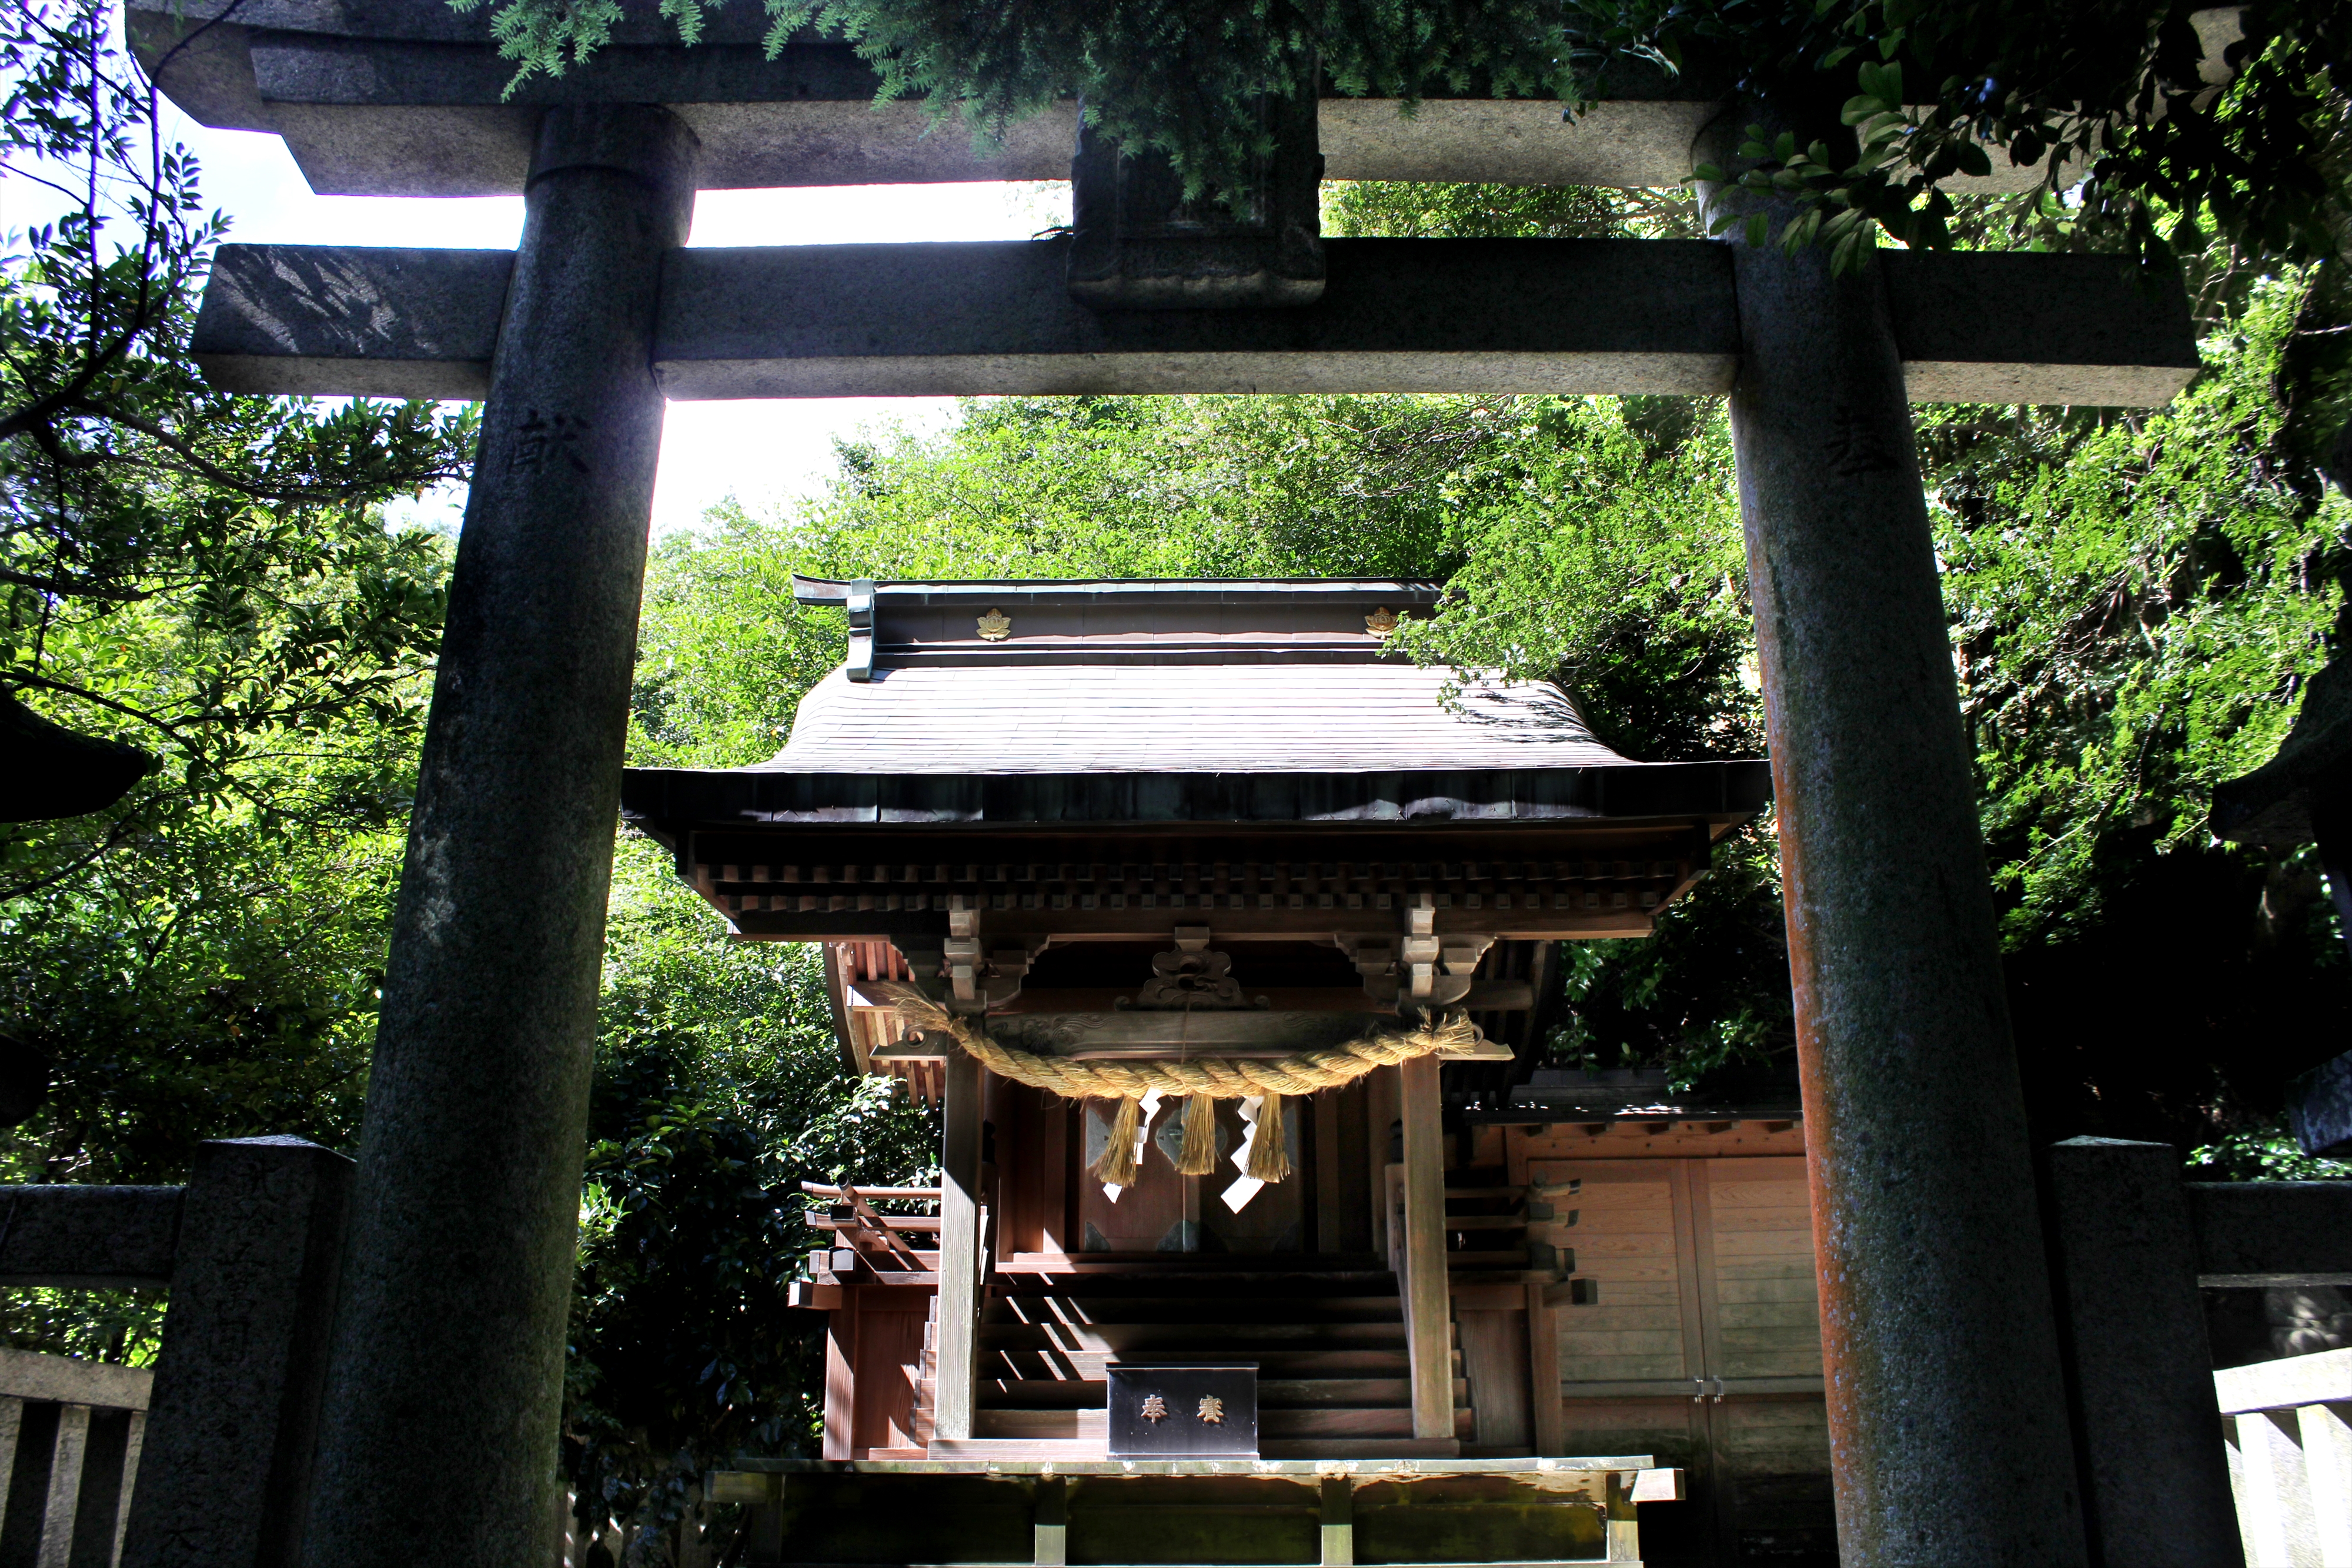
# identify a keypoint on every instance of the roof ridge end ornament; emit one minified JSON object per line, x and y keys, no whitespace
{"x":860,"y":604}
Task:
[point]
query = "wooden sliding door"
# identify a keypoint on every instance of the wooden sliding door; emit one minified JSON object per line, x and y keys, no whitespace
{"x":1700,"y":1344}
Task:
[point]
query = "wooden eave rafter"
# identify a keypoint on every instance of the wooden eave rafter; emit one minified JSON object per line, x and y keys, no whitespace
{"x":1253,"y":900}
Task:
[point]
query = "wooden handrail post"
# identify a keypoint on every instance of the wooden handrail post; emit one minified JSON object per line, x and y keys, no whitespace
{"x":959,"y":1320}
{"x":1428,"y":1301}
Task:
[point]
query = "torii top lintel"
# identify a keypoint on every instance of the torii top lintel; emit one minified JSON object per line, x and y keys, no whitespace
{"x":408,"y":97}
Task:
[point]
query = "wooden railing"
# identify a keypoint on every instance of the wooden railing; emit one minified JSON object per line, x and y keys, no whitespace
{"x":884,"y":1242}
{"x":2291,"y":1458}
{"x":71,"y":1436}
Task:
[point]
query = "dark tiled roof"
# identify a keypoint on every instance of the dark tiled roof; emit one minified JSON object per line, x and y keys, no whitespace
{"x":1163,"y":718}
{"x":1143,"y":701}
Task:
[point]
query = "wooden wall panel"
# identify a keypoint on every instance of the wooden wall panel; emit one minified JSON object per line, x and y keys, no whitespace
{"x":1672,"y":1429}
{"x":1495,"y":1361}
{"x":840,"y":1385}
{"x":1772,"y":1479}
{"x":1343,"y":1170}
{"x":1675,"y":1432}
{"x":1627,"y":1242}
{"x":1031,"y":1144}
{"x":1762,"y":1294}
{"x":1381,"y":1149}
{"x":1015,"y":1111}
{"x":889,"y":1370}
{"x":1642,"y":1138}
{"x":1051,"y":1154}
{"x":1703,"y":1268}
{"x":1144,"y":1215}
{"x":1276,"y":1219}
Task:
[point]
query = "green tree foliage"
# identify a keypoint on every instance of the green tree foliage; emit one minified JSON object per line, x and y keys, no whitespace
{"x":1402,"y":209}
{"x":208,"y":577}
{"x":719,"y":1090}
{"x":2136,"y":604}
{"x":204,"y":575}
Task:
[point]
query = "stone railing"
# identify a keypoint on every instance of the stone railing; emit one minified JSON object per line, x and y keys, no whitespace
{"x":251,"y":1251}
{"x":2132,"y":1246}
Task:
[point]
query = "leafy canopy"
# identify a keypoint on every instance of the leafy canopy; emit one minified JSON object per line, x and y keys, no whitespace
{"x":1875,"y":103}
{"x":139,"y":506}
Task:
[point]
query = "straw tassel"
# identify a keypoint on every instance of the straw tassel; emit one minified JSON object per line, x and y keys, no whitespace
{"x":1117,"y":1165}
{"x":1269,"y":1156}
{"x":1200,"y":1157}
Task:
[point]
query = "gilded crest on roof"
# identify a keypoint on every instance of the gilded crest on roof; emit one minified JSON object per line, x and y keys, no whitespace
{"x":1381,"y":622}
{"x":995,"y":626}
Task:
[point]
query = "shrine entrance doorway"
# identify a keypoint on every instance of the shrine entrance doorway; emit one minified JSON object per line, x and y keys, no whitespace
{"x":1167,"y":1212}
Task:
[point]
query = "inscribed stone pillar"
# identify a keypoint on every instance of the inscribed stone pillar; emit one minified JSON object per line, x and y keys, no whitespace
{"x":1947,"y":1418}
{"x":444,"y":1384}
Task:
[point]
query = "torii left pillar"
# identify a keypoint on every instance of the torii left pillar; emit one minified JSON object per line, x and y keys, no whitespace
{"x":446,"y":1380}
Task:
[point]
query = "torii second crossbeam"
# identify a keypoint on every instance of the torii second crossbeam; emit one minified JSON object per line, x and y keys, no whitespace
{"x":1501,"y":316}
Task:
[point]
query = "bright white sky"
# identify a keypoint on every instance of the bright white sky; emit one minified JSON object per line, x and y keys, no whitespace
{"x":760,"y":452}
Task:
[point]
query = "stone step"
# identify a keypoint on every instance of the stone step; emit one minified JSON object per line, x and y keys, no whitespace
{"x":1049,"y":1364}
{"x":1014,"y":1449}
{"x":1360,"y":1448}
{"x":1092,"y":1426}
{"x":1027,"y":1308}
{"x":1273,"y":1393}
{"x":1239,"y":1340}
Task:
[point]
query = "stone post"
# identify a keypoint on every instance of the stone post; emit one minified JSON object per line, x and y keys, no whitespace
{"x":225,"y":1466}
{"x":445,"y":1381}
{"x":1947,"y":1417}
{"x":2155,"y":1476}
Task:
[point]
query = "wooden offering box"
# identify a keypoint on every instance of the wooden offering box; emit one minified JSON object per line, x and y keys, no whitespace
{"x":1179,"y":1410}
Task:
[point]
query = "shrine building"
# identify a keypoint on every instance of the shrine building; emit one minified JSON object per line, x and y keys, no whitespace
{"x":1224,"y":935}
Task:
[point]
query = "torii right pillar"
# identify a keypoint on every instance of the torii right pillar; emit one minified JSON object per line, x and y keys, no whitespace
{"x":1949,"y":1428}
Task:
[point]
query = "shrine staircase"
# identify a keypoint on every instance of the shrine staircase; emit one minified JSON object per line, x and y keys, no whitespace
{"x":1334,"y":1378}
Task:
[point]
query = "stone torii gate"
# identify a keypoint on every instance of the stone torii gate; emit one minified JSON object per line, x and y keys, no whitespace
{"x":1948,"y":1418}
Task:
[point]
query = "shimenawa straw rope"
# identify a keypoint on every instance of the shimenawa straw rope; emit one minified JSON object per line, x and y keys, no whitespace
{"x":1201,"y":1081}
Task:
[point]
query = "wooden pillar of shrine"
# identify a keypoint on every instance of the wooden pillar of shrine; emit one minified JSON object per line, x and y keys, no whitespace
{"x":1947,"y":1409}
{"x":1428,"y":1301}
{"x":958,"y":1294}
{"x":445,"y":1376}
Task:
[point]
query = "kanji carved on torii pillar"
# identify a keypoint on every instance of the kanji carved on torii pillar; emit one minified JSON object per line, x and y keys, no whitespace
{"x":1949,"y":1417}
